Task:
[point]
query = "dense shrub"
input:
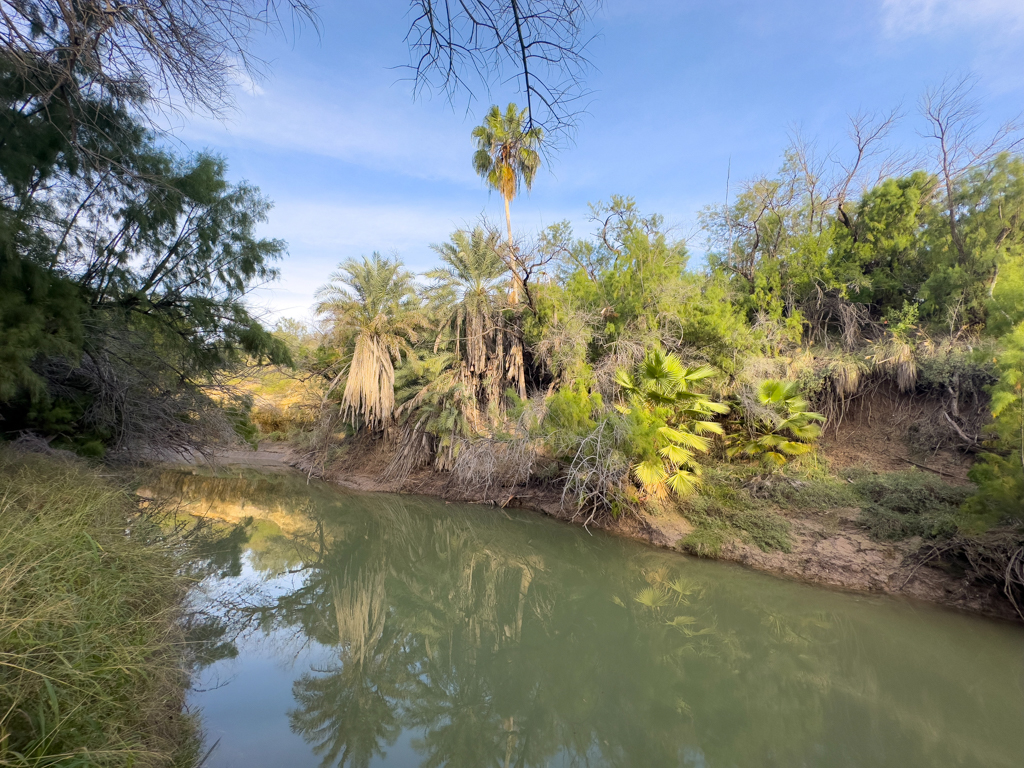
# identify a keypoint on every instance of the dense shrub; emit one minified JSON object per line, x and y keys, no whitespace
{"x":898,"y":505}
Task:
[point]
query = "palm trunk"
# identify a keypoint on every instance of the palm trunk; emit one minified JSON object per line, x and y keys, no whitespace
{"x":516,"y":281}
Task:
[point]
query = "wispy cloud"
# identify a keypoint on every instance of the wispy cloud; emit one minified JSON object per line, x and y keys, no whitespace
{"x":379,"y":129}
{"x":913,"y":17}
{"x":321,"y":234}
{"x":345,"y":228}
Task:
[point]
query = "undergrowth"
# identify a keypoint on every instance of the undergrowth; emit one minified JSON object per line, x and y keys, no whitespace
{"x":898,"y":505}
{"x":815,"y":494}
{"x":893,"y":506}
{"x":721,"y":512}
{"x":90,"y":666}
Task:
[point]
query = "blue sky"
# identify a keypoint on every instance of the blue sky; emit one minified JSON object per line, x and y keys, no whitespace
{"x":681,"y":90}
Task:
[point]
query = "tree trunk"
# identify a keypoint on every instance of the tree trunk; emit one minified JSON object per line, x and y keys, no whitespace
{"x":516,"y":281}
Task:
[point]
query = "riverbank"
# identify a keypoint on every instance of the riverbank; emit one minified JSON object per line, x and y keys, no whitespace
{"x":827,"y":544}
{"x":91,"y":666}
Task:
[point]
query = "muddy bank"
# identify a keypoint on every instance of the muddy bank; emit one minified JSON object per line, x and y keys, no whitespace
{"x":829,"y":548}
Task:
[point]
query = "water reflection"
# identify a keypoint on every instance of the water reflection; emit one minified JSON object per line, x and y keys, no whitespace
{"x":486,"y":639}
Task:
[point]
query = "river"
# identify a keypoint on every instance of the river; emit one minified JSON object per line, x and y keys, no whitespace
{"x":380,"y":630}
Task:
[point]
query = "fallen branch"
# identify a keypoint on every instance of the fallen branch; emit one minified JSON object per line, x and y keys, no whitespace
{"x":965,"y":437}
{"x":936,"y":551}
{"x":922,"y":466}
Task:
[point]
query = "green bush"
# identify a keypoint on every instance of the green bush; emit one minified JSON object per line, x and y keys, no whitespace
{"x":570,"y":416}
{"x":721,"y":512}
{"x":898,"y":505}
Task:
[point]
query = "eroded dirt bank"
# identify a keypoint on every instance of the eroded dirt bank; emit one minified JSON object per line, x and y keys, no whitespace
{"x":829,"y":548}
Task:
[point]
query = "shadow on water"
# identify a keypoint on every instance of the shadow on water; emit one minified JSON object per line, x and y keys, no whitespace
{"x":462,"y":636}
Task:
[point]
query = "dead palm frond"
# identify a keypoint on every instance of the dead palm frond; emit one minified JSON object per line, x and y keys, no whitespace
{"x":896,"y":357}
{"x":468,"y":299}
{"x":373,"y":311}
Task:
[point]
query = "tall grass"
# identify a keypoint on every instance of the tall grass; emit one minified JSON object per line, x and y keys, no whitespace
{"x":90,"y":662}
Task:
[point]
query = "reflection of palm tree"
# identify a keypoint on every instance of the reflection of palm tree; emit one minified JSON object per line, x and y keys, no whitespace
{"x":504,"y":647}
{"x":346,"y":714}
{"x":359,"y":607}
{"x":456,"y":709}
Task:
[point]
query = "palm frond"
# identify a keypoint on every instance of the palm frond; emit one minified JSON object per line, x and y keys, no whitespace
{"x":707,"y":428}
{"x":688,"y":439}
{"x":652,"y":597}
{"x":676,"y":455}
{"x":683,"y":483}
{"x":699,"y":373}
{"x":650,"y":474}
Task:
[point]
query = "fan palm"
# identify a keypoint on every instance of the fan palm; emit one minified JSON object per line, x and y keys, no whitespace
{"x":447,"y":393}
{"x":373,"y":309}
{"x":468,"y":286}
{"x":661,"y":394}
{"x":785,"y":427}
{"x":506,"y":157}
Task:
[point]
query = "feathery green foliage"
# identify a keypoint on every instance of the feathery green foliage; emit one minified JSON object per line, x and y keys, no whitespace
{"x":1000,"y":471}
{"x":123,"y":276}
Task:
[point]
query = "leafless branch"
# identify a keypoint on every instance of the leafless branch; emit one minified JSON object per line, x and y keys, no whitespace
{"x":458,"y":46}
{"x":154,"y":56}
{"x":953,"y":116}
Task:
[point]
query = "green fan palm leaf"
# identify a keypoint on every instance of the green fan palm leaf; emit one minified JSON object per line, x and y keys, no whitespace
{"x":787,"y":429}
{"x":659,"y":394}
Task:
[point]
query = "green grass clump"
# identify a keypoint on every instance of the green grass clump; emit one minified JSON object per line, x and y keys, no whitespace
{"x":898,"y":505}
{"x":90,"y":665}
{"x":706,"y":540}
{"x":768,"y":531}
{"x":818,"y":494}
{"x":722,"y":512}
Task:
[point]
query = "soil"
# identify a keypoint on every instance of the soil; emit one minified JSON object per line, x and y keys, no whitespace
{"x":877,"y":433}
{"x":829,"y":548}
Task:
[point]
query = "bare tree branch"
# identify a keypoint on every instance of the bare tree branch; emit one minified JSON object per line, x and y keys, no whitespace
{"x":170,"y":53}
{"x":954,"y":120}
{"x":460,"y":45}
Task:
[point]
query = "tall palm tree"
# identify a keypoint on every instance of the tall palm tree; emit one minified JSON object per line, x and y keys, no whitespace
{"x":468,"y":286}
{"x":373,"y":308}
{"x":467,"y":297}
{"x":481,"y":355}
{"x":506,"y":156}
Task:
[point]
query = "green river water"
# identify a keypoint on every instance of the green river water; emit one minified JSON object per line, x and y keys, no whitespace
{"x":380,"y":630}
